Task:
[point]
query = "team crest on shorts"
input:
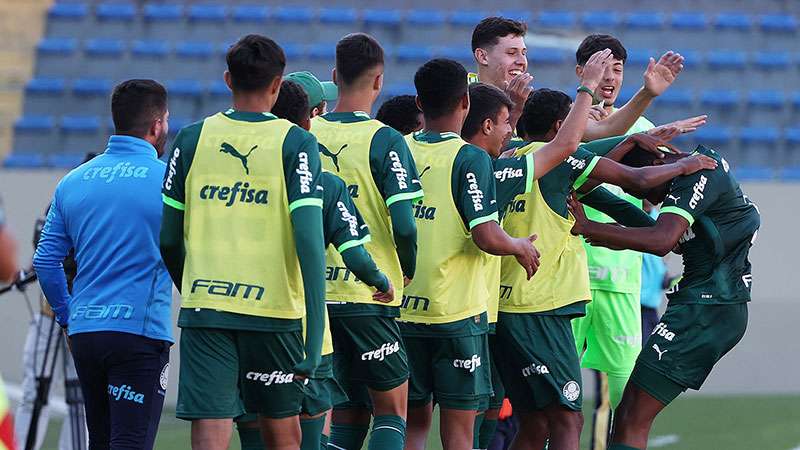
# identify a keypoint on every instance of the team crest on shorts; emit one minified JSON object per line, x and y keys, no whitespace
{"x":164,"y":378}
{"x":572,"y":390}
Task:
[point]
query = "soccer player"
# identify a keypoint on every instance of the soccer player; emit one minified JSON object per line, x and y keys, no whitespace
{"x":488,"y":127}
{"x":118,"y":313}
{"x":444,"y":319}
{"x":498,"y":46}
{"x":319,"y":93}
{"x":714,"y":224}
{"x":375,"y":163}
{"x":537,"y":357}
{"x":401,"y":113}
{"x":242,"y":187}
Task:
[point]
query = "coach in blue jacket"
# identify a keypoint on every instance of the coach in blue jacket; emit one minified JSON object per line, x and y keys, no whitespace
{"x":118,"y":315}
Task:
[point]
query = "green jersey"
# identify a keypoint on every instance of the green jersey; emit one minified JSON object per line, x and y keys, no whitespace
{"x":723,"y":225}
{"x":342,"y":224}
{"x":512,"y":177}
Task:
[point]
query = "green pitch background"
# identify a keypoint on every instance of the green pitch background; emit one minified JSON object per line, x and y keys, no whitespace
{"x":691,"y":423}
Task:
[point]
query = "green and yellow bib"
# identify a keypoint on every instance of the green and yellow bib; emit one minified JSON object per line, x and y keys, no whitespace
{"x":345,"y":151}
{"x":240,"y":250}
{"x":450,"y":283}
{"x":562,"y":278}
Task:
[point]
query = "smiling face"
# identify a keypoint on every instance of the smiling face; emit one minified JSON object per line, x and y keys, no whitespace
{"x":504,"y":60}
{"x":611,"y":83}
{"x":501,"y":132}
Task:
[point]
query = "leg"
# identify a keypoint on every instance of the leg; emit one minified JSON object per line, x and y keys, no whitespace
{"x":211,"y":434}
{"x":349,"y":427}
{"x":634,"y":417}
{"x":390,"y":410}
{"x":601,"y":417}
{"x":533,"y":431}
{"x":312,"y":428}
{"x":249,"y":432}
{"x":137,"y":381}
{"x":565,"y":427}
{"x":456,"y":428}
{"x":87,"y":352}
{"x":280,"y":434}
{"x":73,"y":431}
{"x":419,"y":425}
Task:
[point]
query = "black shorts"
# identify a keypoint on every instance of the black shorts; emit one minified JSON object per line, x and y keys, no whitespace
{"x":124,"y":380}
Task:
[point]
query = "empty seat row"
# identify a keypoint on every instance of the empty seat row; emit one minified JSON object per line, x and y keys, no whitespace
{"x":206,"y":12}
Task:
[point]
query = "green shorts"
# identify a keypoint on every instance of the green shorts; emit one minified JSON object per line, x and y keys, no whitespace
{"x":227,"y":372}
{"x":610,"y":334}
{"x":368,"y":352}
{"x":538,"y":362}
{"x":454,"y":371}
{"x":496,"y":400}
{"x":685,"y":345}
{"x":323,"y":393}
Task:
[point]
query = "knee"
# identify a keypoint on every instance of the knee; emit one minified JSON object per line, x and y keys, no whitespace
{"x":564,"y":419}
{"x":352,"y":416}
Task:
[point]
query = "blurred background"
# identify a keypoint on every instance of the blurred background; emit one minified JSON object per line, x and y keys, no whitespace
{"x":59,"y":61}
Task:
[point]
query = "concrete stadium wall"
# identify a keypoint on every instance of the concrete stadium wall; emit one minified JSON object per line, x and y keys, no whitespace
{"x":759,"y":364}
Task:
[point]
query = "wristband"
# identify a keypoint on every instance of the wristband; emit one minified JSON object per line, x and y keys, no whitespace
{"x":583,"y":88}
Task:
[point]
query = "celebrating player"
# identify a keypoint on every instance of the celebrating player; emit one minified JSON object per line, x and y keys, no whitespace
{"x":374,"y":161}
{"x":714,"y":224}
{"x":231,"y":177}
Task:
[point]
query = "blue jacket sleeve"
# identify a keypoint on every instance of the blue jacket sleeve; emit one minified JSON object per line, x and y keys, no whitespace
{"x":48,"y":261}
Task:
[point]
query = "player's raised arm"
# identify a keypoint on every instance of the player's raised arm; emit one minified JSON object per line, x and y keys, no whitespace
{"x":643,"y":178}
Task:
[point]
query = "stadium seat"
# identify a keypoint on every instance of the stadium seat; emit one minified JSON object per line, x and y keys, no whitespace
{"x":294,"y":14}
{"x":461,"y":53}
{"x":548,"y":65}
{"x":246,"y":19}
{"x":45,"y":96}
{"x":104,"y":58}
{"x":753,"y":173}
{"x":766,"y":107}
{"x":719,"y":98}
{"x":115,"y":11}
{"x":559,"y":20}
{"x":163,"y":21}
{"x":778,"y":23}
{"x":57,"y":57}
{"x":601,"y":20}
{"x":692,"y":59}
{"x":34,"y":124}
{"x":335,"y":23}
{"x":727,"y":60}
{"x":547,"y":55}
{"x":791,"y":174}
{"x":214,"y":13}
{"x":114,"y":20}
{"x":732,"y":21}
{"x":90,"y":96}
{"x":207,"y":21}
{"x":467,"y":18}
{"x":396,"y":89}
{"x":772,"y":60}
{"x":796,"y":101}
{"x":148,"y":59}
{"x":384,"y":24}
{"x":192,"y":58}
{"x":426,"y":26}
{"x":24,"y":160}
{"x":731,"y":31}
{"x":415,"y":53}
{"x":346,"y":16}
{"x":766,"y":98}
{"x":688,"y":21}
{"x":81,"y":134}
{"x":35,"y":134}
{"x":68,"y":160}
{"x":185,"y":96}
{"x":766,"y":136}
{"x":714,"y":135}
{"x":217,"y":98}
{"x":639,"y":58}
{"x":291,"y":23}
{"x":792,"y":136}
{"x":163,"y":12}
{"x":625,"y":94}
{"x":64,"y":19}
{"x":521,"y":15}
{"x":676,"y":97}
{"x":645,"y":20}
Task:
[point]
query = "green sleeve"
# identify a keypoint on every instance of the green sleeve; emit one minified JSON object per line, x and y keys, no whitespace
{"x":173,"y":191}
{"x":342,"y":222}
{"x":393,"y":167}
{"x":359,"y":261}
{"x":473,"y":187}
{"x":582,"y":163}
{"x":404,"y":229}
{"x":309,"y":242}
{"x":603,"y":146}
{"x":172,"y":250}
{"x":691,"y":195}
{"x":302,"y":168}
{"x":622,"y":211}
{"x":512,"y":177}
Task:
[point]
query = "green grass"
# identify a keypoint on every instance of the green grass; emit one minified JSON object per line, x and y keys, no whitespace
{"x":700,"y":423}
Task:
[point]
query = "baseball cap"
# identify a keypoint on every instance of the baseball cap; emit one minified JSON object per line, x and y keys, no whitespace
{"x":316,"y":90}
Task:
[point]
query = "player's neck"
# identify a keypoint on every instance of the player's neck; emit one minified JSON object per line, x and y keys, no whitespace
{"x":485,"y":76}
{"x":479,"y":141}
{"x":446,"y":124}
{"x":253,"y":102}
{"x":352,"y":101}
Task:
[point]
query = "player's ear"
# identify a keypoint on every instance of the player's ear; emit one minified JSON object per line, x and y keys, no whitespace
{"x":465,"y":101}
{"x":486,"y":126}
{"x":481,"y":57}
{"x":228,"y":82}
{"x":557,"y":125}
{"x":306,"y":124}
{"x":579,"y":71}
{"x":333,"y":76}
{"x":378,"y":83}
{"x":275,"y":85}
{"x":418,"y":103}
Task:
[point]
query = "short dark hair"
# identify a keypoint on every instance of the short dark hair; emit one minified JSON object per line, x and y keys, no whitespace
{"x":292,"y":103}
{"x":135,"y":104}
{"x":401,"y":113}
{"x":542,"y":109}
{"x":254,"y":61}
{"x":596,"y":42}
{"x":356,"y":53}
{"x":485,"y":102}
{"x":441,"y":83}
{"x":489,"y":31}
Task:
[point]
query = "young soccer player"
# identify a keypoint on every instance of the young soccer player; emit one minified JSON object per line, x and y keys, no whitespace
{"x":537,"y":357}
{"x":231,"y":176}
{"x":444,"y":320}
{"x":401,"y":113}
{"x":714,"y":224}
{"x":374,"y":161}
{"x":319,"y":93}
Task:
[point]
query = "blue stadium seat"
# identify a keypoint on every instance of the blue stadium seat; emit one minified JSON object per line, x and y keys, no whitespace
{"x":250,"y":13}
{"x":547,"y":55}
{"x":185,"y":96}
{"x":193,"y":58}
{"x":644,"y":20}
{"x":467,"y":18}
{"x":791,"y":174}
{"x":291,"y":23}
{"x":194,"y":49}
{"x":44,"y":96}
{"x":601,"y":20}
{"x":733,"y":21}
{"x":81,"y":134}
{"x":34,"y":124}
{"x":727,"y":59}
{"x":207,"y":22}
{"x":766,"y":98}
{"x":325,"y":51}
{"x":66,"y":160}
{"x":64,"y":19}
{"x":561,"y":20}
{"x":293,"y":14}
{"x":214,"y":13}
{"x":753,"y":173}
{"x":639,"y":58}
{"x":163,"y":21}
{"x":35,"y":134}
{"x":676,"y":97}
{"x":104,"y":48}
{"x":768,"y":136}
{"x":778,"y":23}
{"x":692,"y":59}
{"x":625,"y":94}
{"x":347,"y":16}
{"x":719,"y":98}
{"x":217,"y":98}
{"x":247,"y":18}
{"x":792,"y":136}
{"x":156,"y":49}
{"x":382,"y":17}
{"x":689,"y":21}
{"x":772,"y":60}
{"x":796,"y":101}
{"x":90,"y":96}
{"x":57,"y":46}
{"x":461,"y":53}
{"x":24,"y":160}
{"x":427,"y":17}
{"x":520,"y":15}
{"x":396,"y":89}
{"x":427,"y":26}
{"x":335,"y":23}
{"x":163,"y":12}
{"x":415,"y":53}
{"x":115,"y":11}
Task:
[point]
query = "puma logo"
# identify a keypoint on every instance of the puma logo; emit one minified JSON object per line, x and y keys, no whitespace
{"x":231,"y":150}
{"x":333,"y":156}
{"x":658,"y":350}
{"x":675,"y":199}
{"x":423,"y":171}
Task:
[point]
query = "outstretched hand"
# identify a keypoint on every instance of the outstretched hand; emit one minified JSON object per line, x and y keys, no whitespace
{"x":696,"y":163}
{"x":659,"y":75}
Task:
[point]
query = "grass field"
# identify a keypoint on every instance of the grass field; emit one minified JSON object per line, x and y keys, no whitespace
{"x":691,"y":423}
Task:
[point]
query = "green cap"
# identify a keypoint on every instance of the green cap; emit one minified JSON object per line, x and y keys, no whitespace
{"x":316,"y":90}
